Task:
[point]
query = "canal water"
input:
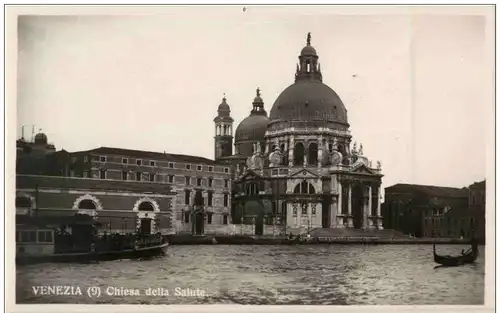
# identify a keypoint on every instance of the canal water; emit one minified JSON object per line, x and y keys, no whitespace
{"x":334,"y":274}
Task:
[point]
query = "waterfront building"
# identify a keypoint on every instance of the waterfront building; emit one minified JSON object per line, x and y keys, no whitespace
{"x":465,"y":220}
{"x":120,"y":207}
{"x":297,"y":169}
{"x":187,"y":176}
{"x":422,"y":210}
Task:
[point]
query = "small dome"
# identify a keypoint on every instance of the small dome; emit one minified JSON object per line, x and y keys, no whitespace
{"x":308,"y":51}
{"x":41,"y":138}
{"x":224,"y":109}
{"x":252,"y":128}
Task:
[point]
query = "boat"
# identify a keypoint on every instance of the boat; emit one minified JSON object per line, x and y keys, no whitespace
{"x":467,"y":257}
{"x":39,"y":242}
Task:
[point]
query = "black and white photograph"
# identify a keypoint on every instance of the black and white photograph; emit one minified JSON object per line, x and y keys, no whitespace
{"x":250,"y":155}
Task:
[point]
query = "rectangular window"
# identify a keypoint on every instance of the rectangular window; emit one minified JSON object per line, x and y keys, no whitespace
{"x":124,"y":175}
{"x":226,"y":183}
{"x":152,"y":177}
{"x":226,"y":198}
{"x":152,"y":163}
{"x":210,"y":168}
{"x":138,"y":176}
{"x":28,"y":236}
{"x":188,"y":166}
{"x":85,"y":174}
{"x":102,"y":159}
{"x":198,"y":181}
{"x":85,"y":159}
{"x":188,"y":180}
{"x":186,"y":217}
{"x":187,"y":197}
{"x":224,"y":219}
{"x":209,"y":218}
{"x":103,"y":174}
{"x":199,"y":167}
{"x":139,"y":162}
{"x":210,"y":182}
{"x":226,"y":170}
{"x":44,"y":236}
{"x":170,"y":165}
{"x":125,"y":161}
{"x":210,"y":196}
{"x":170,"y":178}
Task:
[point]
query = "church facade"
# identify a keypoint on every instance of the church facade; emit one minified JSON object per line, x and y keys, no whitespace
{"x":297,"y":168}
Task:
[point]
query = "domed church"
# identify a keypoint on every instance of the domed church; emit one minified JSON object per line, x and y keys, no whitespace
{"x":298,"y":169}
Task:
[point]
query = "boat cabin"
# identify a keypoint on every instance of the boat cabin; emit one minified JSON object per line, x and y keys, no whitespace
{"x":34,"y":241}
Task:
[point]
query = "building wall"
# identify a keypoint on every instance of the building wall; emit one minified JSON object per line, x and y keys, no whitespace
{"x":405,"y":208}
{"x":477,"y":204}
{"x":168,"y":172}
{"x":117,"y":209}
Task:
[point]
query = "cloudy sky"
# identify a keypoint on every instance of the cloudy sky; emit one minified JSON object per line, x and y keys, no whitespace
{"x":416,"y":87}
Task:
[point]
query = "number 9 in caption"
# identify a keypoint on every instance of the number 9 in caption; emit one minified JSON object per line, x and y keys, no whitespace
{"x":94,"y":292}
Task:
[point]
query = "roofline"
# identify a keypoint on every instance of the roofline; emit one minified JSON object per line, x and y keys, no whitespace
{"x":159,"y":154}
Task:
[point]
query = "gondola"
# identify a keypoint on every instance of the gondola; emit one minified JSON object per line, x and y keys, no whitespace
{"x":469,"y":256}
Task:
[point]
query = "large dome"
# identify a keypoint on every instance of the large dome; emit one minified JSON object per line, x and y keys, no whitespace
{"x":309,"y":100}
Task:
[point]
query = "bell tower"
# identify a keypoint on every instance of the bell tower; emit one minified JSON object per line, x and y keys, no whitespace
{"x":223,"y":139}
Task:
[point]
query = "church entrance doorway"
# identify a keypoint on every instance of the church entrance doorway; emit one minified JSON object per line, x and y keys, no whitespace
{"x":325,"y":213}
{"x":259,"y":225}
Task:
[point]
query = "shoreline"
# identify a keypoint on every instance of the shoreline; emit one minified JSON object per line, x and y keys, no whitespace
{"x":261,"y":240}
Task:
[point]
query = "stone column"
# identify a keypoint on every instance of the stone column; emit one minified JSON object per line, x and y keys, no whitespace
{"x":339,"y":202}
{"x":333,"y":212}
{"x":368,"y":210}
{"x":379,"y":214}
{"x":290,"y":151}
{"x":349,"y":206}
{"x":267,"y":148}
{"x":320,"y":151}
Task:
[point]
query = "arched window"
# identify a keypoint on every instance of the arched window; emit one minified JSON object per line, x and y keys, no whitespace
{"x":312,"y":157}
{"x":298,"y":154}
{"x":23,"y":202}
{"x":146,"y":206}
{"x":304,"y":187}
{"x":87,"y":205}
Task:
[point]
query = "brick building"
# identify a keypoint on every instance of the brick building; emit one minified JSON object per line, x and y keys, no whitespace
{"x":412,"y":209}
{"x":186,"y":175}
{"x":119,"y":206}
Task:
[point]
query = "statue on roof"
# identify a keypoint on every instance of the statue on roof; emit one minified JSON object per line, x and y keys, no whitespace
{"x":258,"y":92}
{"x":308,"y":39}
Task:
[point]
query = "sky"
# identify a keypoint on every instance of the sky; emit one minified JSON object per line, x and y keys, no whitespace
{"x":415,"y":86}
